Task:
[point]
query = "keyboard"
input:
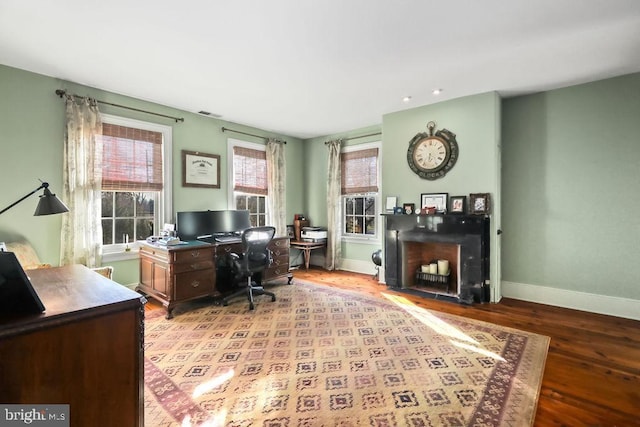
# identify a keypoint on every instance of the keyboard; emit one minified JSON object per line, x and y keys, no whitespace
{"x":228,"y":239}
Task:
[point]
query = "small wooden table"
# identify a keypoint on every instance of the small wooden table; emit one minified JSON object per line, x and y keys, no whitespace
{"x":306,"y":248}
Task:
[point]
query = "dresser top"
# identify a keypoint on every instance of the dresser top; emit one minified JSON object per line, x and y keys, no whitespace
{"x":69,"y":293}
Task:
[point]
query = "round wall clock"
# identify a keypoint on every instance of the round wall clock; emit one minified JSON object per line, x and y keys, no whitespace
{"x":431,"y":155}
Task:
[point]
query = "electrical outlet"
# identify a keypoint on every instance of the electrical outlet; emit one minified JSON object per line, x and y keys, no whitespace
{"x":3,"y":247}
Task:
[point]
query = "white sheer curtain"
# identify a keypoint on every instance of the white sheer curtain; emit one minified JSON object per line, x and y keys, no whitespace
{"x":334,"y":207}
{"x":276,"y":171}
{"x":81,"y":235}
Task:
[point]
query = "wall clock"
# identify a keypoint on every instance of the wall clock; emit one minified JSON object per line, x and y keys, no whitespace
{"x":431,"y":155}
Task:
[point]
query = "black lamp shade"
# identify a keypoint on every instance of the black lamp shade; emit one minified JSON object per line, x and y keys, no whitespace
{"x":49,"y":204}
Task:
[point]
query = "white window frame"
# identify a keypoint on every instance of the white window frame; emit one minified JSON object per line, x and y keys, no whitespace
{"x":163,"y":207}
{"x":232,"y":142}
{"x":373,"y":239}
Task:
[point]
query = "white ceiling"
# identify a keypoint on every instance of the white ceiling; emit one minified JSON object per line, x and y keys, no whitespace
{"x":309,"y":68}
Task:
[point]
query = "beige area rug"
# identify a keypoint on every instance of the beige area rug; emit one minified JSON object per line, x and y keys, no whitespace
{"x":325,"y":357}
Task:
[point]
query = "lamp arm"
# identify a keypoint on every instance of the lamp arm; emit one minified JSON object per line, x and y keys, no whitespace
{"x":43,"y":185}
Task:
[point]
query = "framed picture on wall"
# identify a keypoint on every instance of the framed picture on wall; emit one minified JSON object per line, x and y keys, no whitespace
{"x":479,"y":203}
{"x":200,"y":169}
{"x":436,"y":200}
{"x":458,"y":204}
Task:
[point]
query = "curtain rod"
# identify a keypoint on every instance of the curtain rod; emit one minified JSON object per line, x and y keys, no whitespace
{"x":356,"y":137}
{"x":224,"y":129}
{"x":62,"y":93}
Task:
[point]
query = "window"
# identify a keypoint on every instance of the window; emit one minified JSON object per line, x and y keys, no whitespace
{"x":134,"y":194}
{"x":249,"y":180}
{"x":359,"y":169}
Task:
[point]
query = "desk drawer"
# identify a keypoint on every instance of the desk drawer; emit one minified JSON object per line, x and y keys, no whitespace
{"x":194,"y":284}
{"x":193,"y":255}
{"x":196,"y":264}
{"x":279,"y":243}
{"x":280,"y":260}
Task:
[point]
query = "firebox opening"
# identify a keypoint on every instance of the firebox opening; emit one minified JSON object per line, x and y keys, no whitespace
{"x":418,"y":254}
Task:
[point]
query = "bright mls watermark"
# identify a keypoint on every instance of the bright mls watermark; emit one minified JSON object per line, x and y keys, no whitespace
{"x":34,"y":415}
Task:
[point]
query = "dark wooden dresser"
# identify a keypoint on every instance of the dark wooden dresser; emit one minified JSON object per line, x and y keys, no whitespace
{"x":85,"y":350}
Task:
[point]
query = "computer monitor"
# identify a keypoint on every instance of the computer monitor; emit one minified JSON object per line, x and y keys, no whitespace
{"x":200,"y":224}
{"x":193,"y":224}
{"x":230,"y":221}
{"x":16,"y":292}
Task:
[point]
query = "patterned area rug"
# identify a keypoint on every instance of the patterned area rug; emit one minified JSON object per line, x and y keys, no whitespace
{"x":319,"y":356}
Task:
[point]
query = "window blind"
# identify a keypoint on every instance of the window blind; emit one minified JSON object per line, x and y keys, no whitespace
{"x":250,"y":170}
{"x":132,"y":159}
{"x":359,"y":171}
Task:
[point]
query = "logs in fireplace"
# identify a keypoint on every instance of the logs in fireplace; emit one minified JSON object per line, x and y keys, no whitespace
{"x":411,"y":241}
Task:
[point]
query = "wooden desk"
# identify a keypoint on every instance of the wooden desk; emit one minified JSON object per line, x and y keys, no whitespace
{"x":175,"y":274}
{"x":306,"y":248}
{"x":85,"y":350}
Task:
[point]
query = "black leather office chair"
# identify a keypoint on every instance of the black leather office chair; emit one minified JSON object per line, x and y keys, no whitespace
{"x":255,"y":257}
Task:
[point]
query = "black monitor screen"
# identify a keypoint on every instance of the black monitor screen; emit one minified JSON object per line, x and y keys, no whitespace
{"x":198,"y":224}
{"x":191,"y":225}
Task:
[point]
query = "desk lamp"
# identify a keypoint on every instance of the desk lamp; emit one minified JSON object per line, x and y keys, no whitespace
{"x":49,"y":204}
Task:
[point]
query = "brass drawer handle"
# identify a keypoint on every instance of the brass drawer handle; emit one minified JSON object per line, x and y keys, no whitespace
{"x":195,"y":254}
{"x":195,"y":283}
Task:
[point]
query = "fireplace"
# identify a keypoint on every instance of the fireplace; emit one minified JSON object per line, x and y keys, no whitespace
{"x":414,"y":241}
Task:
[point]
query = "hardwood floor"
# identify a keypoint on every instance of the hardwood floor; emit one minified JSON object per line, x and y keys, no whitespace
{"x":592,"y":373}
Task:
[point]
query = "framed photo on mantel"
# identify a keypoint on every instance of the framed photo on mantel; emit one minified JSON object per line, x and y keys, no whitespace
{"x":434,"y":200}
{"x":479,"y":203}
{"x":458,"y":204}
{"x":200,"y":169}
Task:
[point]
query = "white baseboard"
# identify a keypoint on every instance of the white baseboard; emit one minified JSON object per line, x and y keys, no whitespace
{"x":602,"y":304}
{"x":356,"y":266}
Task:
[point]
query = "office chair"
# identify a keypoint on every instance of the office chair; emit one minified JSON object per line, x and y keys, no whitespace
{"x":255,"y":257}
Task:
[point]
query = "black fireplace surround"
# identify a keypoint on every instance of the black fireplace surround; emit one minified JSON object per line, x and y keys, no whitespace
{"x":469,"y":234}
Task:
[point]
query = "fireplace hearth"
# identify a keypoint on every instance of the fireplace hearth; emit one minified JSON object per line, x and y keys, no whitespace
{"x":412,"y":241}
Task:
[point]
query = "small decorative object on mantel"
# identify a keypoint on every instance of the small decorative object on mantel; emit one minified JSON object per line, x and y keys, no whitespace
{"x":428,"y":210}
{"x":397,"y":210}
{"x":390,"y":204}
{"x":434,"y":200}
{"x":431,"y":155}
{"x":409,"y":208}
{"x":479,"y":203}
{"x":458,"y":204}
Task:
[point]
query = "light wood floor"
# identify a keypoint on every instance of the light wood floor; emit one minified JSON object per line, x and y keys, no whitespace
{"x":592,"y":374}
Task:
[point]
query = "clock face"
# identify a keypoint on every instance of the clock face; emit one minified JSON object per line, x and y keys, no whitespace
{"x":432,"y":156}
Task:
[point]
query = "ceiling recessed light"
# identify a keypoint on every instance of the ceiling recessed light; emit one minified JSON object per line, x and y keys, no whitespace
{"x":406,"y":99}
{"x":437,"y":91}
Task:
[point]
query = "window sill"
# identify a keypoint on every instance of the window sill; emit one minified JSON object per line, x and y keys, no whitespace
{"x":120,"y":256}
{"x":361,"y":240}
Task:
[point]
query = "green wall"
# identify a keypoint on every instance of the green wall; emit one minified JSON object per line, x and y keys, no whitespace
{"x":567,"y":156}
{"x":476,"y":122}
{"x":571,"y":177}
{"x":31,"y":144}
